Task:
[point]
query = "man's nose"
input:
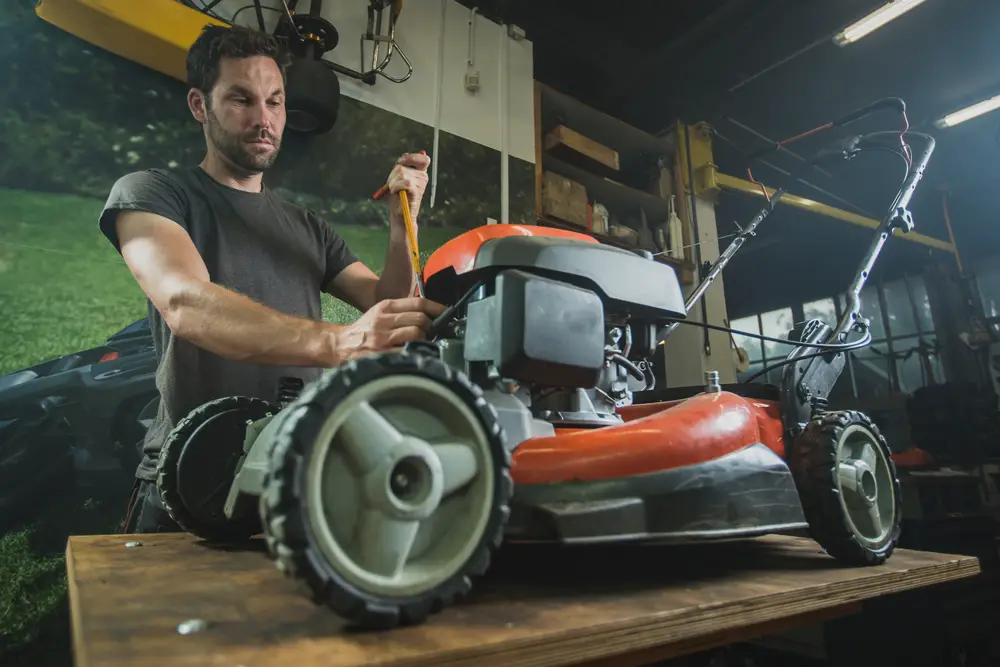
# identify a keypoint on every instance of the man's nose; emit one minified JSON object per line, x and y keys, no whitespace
{"x":261,"y":116}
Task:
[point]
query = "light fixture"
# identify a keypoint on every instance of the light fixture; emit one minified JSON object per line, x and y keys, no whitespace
{"x":962,"y":115}
{"x":874,"y":21}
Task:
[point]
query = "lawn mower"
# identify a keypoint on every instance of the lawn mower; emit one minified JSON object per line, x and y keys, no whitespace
{"x":79,"y":412}
{"x":387,"y":484}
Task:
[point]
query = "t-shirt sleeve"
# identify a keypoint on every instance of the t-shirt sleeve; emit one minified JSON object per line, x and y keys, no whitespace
{"x":151,"y":191}
{"x":338,"y":255}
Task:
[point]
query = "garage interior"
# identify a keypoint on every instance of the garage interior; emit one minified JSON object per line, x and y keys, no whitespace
{"x":660,"y":128}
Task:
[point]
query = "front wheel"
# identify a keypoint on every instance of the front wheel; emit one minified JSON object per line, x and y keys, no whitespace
{"x":848,"y":487}
{"x":388,"y":488}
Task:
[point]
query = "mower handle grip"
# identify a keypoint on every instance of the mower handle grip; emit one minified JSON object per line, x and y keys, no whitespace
{"x":885,"y":103}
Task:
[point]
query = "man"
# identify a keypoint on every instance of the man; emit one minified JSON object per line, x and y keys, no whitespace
{"x":233,"y":274}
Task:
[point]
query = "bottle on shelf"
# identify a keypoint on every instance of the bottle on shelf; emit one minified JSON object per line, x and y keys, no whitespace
{"x":675,"y":233}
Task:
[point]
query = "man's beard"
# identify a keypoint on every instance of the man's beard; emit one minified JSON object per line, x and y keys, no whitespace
{"x":235,"y":149}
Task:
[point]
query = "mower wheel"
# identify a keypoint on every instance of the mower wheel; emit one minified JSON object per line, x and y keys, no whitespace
{"x":848,"y":487}
{"x":388,"y":488}
{"x":198,"y":464}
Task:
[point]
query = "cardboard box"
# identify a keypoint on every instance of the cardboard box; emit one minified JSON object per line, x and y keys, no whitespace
{"x":564,"y":199}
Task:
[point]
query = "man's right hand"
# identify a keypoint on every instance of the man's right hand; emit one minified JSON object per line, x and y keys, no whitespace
{"x":388,"y":325}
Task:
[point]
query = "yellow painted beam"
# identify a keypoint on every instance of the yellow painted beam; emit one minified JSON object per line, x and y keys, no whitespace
{"x":735,"y":184}
{"x":154,"y":33}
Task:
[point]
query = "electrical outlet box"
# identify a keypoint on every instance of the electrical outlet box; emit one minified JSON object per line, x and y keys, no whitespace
{"x":472,"y":81}
{"x":515,"y":32}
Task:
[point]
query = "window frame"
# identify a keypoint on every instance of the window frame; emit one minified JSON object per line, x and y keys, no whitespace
{"x":894,"y":345}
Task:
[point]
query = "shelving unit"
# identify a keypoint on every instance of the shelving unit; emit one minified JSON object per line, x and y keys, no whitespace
{"x":631,"y":173}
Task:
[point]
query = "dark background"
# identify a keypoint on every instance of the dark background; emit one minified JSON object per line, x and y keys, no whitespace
{"x":771,"y":65}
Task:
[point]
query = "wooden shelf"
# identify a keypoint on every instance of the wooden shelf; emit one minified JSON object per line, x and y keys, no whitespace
{"x":641,"y":187}
{"x":630,"y":142}
{"x":619,"y":198}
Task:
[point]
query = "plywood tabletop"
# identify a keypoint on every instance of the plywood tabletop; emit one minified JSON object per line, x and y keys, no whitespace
{"x":537,"y":606}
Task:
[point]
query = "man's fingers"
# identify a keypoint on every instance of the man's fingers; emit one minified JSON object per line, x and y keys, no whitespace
{"x":411,"y":319}
{"x":415,"y":304}
{"x":405,"y":335}
{"x":398,"y":184}
{"x":415,"y":160}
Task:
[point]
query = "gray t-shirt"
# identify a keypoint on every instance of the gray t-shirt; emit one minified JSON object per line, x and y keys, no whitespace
{"x":275,"y":252}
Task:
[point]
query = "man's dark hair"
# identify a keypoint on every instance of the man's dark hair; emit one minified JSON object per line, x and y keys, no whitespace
{"x":217,"y":42}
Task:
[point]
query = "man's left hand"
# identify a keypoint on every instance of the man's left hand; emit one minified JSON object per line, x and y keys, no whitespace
{"x":410,"y":174}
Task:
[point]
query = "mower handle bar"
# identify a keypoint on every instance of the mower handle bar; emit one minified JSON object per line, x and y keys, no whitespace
{"x":885,"y":103}
{"x":898,"y":216}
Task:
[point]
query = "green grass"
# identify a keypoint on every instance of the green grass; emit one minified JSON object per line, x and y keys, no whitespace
{"x":34,"y":613}
{"x":64,"y":288}
{"x":33,"y":585}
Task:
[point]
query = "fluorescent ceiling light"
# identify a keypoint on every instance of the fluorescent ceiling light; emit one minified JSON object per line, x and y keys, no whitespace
{"x":962,"y":115}
{"x":874,"y":21}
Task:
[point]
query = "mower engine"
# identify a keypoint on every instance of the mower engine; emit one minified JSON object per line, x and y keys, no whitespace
{"x":552,"y":324}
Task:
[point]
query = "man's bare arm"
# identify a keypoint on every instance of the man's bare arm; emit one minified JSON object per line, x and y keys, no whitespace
{"x":170,"y":271}
{"x":397,"y":278}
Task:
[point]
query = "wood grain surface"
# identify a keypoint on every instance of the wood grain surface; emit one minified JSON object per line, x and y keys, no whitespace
{"x":538,"y":606}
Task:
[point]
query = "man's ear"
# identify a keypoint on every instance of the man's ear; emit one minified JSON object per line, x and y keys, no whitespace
{"x":198,"y":104}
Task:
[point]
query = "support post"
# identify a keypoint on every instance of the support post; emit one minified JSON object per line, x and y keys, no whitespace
{"x":687,"y":356}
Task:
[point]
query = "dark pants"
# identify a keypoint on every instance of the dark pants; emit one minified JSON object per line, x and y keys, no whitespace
{"x":146,"y":513}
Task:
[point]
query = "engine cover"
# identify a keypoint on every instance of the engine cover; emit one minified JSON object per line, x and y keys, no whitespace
{"x":538,"y":330}
{"x":628,"y":283}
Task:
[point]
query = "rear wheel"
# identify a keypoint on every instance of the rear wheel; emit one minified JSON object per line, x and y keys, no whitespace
{"x":198,"y":465}
{"x":848,"y":487}
{"x":389,"y":488}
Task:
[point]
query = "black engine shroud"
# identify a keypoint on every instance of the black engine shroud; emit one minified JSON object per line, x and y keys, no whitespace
{"x":547,"y":304}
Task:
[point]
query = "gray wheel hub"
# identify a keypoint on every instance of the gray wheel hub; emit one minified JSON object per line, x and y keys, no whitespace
{"x":409,"y":481}
{"x":865,"y":482}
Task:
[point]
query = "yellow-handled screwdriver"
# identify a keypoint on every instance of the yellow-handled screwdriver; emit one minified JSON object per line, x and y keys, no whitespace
{"x":411,"y":233}
{"x":411,"y":238}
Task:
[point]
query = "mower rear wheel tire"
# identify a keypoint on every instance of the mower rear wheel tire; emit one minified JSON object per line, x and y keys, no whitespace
{"x":198,"y":464}
{"x":848,"y":487}
{"x":388,"y":489}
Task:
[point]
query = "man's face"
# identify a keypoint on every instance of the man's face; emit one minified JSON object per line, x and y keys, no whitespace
{"x":245,"y":116}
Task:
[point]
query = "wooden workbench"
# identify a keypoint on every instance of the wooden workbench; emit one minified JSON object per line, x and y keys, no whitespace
{"x":538,"y":606}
